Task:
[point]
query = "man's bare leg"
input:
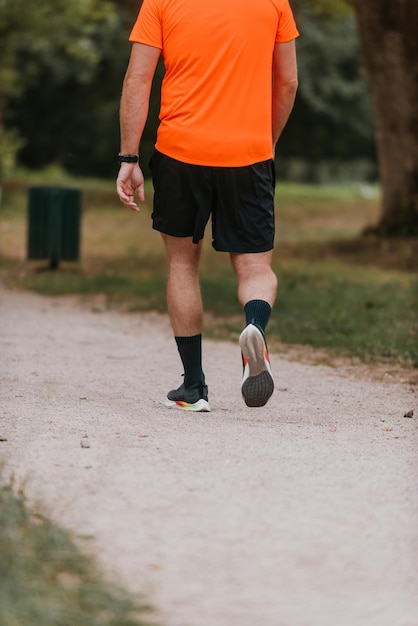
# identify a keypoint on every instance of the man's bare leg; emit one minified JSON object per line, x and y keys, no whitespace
{"x":257,"y":288}
{"x":256,"y":279}
{"x":183,"y":290}
{"x":185,"y":309}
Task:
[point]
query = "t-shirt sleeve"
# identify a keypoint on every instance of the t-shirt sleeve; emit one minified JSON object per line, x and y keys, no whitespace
{"x":147,"y":28}
{"x":287,"y":29}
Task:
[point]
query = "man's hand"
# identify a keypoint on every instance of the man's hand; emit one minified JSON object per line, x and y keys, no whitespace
{"x":130,"y":179}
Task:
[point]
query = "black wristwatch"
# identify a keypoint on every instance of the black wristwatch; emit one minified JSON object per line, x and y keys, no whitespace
{"x":128,"y":158}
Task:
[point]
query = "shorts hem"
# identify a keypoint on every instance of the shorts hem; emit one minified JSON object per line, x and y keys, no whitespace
{"x":253,"y":250}
{"x":164,"y":231}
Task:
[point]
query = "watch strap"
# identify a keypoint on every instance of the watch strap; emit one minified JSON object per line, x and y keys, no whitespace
{"x":128,"y":158}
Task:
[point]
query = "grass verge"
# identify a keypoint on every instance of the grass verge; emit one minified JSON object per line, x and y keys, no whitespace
{"x":47,"y":581}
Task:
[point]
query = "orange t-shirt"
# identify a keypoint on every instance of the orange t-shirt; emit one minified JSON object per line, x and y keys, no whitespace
{"x":217,"y":89}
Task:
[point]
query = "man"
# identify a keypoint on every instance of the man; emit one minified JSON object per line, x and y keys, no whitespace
{"x":228,"y":90}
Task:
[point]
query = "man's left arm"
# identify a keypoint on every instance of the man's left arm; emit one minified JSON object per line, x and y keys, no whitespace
{"x":133,"y":115}
{"x":285,"y":84}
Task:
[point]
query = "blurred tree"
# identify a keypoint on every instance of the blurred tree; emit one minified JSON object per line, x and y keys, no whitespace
{"x":389,"y":35}
{"x":45,"y":34}
{"x":9,"y":84}
{"x":79,"y":112}
{"x":389,"y":42}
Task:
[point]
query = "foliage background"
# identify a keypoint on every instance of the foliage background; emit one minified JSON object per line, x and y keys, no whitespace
{"x":62,"y":70}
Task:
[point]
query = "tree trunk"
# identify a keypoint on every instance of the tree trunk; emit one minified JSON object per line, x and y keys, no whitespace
{"x":389,"y":40}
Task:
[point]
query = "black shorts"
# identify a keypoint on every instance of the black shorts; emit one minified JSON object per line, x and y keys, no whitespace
{"x":239,"y":199}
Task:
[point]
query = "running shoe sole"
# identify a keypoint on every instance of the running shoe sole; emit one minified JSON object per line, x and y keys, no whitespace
{"x":201,"y":405}
{"x":257,"y":383}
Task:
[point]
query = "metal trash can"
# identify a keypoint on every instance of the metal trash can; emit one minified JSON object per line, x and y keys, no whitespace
{"x":54,"y":219}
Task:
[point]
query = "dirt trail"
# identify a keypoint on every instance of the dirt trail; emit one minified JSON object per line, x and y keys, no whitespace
{"x":302,"y":513}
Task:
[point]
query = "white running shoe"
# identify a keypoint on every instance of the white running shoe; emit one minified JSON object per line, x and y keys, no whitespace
{"x":257,"y":382}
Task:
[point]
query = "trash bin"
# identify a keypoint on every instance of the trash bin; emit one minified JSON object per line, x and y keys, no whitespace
{"x":54,"y":217}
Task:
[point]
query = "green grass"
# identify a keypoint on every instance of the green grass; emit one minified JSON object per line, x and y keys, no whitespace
{"x":45,"y":580}
{"x":368,"y":315}
{"x":352,"y":295}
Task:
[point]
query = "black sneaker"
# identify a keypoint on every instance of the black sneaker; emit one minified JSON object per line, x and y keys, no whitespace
{"x":189,"y":399}
{"x":257,"y":381}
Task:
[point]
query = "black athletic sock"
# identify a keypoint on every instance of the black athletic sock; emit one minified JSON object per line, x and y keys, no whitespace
{"x":257,"y":312}
{"x":190,"y":350}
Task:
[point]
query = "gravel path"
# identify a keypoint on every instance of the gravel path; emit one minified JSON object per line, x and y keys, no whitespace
{"x":302,"y":513}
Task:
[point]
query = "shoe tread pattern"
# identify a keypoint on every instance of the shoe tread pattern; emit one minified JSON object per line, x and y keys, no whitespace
{"x":256,"y":390}
{"x":259,"y":386}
